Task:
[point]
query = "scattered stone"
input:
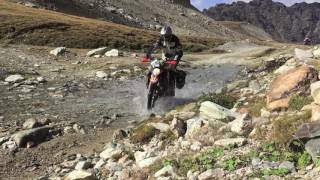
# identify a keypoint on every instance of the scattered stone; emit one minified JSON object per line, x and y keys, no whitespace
{"x":165,"y":171}
{"x":193,"y":125}
{"x":147,"y":162}
{"x":162,"y":127}
{"x":315,"y":108}
{"x":79,"y":175}
{"x":58,"y":51}
{"x":284,"y":69}
{"x":83,"y":165}
{"x":41,"y":79}
{"x":36,"y":135}
{"x":68,"y":130}
{"x":78,"y":129}
{"x":296,"y":80}
{"x":256,"y":162}
{"x":264,"y":113}
{"x":113,"y":53}
{"x":112,"y":152}
{"x":137,"y":69}
{"x":99,"y":164}
{"x":288,"y":165}
{"x":99,"y":51}
{"x":196,"y":146}
{"x":101,"y":74}
{"x":231,"y":142}
{"x":211,"y":174}
{"x":30,"y":123}
{"x":14,"y":78}
{"x":184,"y":115}
{"x":119,"y":134}
{"x":178,"y":127}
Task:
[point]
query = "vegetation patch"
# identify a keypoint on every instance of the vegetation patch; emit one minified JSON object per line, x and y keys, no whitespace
{"x":297,"y":102}
{"x":255,"y":106}
{"x":223,"y":99}
{"x":285,"y":126}
{"x":143,"y":134}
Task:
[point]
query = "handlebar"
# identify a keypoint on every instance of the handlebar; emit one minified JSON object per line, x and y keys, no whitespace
{"x":170,"y":61}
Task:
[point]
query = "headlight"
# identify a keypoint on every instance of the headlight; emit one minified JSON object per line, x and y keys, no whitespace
{"x":156,"y":72}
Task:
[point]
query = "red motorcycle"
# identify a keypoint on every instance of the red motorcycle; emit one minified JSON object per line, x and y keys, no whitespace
{"x":161,"y":79}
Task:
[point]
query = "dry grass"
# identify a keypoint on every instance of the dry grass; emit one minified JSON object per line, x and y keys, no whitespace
{"x":20,"y":24}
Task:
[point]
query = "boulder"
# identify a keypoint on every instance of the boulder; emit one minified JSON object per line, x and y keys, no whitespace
{"x":165,"y":171}
{"x":288,"y":165}
{"x":14,"y":78}
{"x":58,"y":51}
{"x":212,"y":111}
{"x":284,"y":69}
{"x":231,"y":142}
{"x":211,"y":174}
{"x":30,"y":123}
{"x":162,"y":127}
{"x":313,"y":148}
{"x":178,"y":127}
{"x":113,"y":53}
{"x":315,"y":91}
{"x":316,"y":53}
{"x":242,"y":125}
{"x":111,"y":152}
{"x":83,"y":165}
{"x":315,"y":108}
{"x":139,"y":155}
{"x":99,"y":51}
{"x":303,"y":55}
{"x":297,"y":80}
{"x":308,"y":130}
{"x":36,"y":135}
{"x":145,"y":163}
{"x":79,"y":175}
{"x":193,"y":125}
{"x":101,"y":74}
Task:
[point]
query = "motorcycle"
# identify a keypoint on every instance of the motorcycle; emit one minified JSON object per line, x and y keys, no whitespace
{"x":161,"y":80}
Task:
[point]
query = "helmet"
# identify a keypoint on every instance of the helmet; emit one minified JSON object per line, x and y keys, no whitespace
{"x":166,"y":31}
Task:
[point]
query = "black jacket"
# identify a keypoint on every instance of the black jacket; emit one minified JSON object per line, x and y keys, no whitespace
{"x":171,"y":48}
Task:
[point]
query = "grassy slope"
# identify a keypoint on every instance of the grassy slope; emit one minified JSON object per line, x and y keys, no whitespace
{"x":19,"y":24}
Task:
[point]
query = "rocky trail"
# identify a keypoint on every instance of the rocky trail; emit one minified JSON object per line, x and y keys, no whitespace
{"x":82,"y":107}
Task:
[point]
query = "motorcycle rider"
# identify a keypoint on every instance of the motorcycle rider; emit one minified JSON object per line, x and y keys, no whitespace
{"x":171,"y":50}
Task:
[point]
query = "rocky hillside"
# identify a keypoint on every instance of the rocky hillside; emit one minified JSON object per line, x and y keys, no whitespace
{"x":257,"y":127}
{"x":283,"y":23}
{"x":180,"y":14}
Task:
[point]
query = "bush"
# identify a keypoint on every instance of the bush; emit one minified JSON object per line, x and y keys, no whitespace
{"x":222,"y":99}
{"x":297,"y":102}
{"x":255,"y":106}
{"x":286,"y":126}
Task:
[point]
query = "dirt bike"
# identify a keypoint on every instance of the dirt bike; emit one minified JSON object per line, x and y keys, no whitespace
{"x":161,"y":80}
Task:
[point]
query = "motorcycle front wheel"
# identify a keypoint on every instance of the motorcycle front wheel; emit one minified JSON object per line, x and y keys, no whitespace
{"x":152,"y":96}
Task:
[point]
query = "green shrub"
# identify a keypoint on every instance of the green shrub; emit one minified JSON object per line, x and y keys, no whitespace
{"x":304,"y":160}
{"x":143,"y":134}
{"x":276,"y":172}
{"x":225,"y":100}
{"x":230,"y":164}
{"x":255,"y":106}
{"x":297,"y":102}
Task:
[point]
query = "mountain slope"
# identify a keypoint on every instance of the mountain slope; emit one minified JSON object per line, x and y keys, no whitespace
{"x":20,"y":24}
{"x":283,"y":23}
{"x":180,"y":14}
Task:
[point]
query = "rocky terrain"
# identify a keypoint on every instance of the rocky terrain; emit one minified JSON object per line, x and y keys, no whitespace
{"x":289,"y":24}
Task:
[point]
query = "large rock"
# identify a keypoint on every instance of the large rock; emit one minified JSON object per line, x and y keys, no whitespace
{"x":284,"y":69}
{"x":165,"y":171}
{"x":313,"y":148}
{"x":284,"y":86}
{"x":99,"y":51}
{"x":79,"y":175}
{"x":113,"y":53}
{"x":36,"y":135}
{"x":111,"y":152}
{"x":242,"y":125}
{"x":315,"y":91}
{"x":30,"y":123}
{"x":303,"y":55}
{"x":231,"y":142}
{"x":58,"y":51}
{"x":308,"y":130}
{"x":315,"y":108}
{"x":316,"y":53}
{"x":212,"y":111}
{"x":14,"y":78}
